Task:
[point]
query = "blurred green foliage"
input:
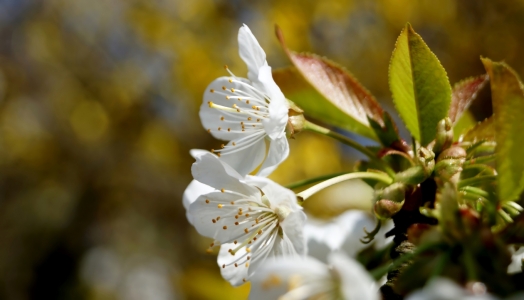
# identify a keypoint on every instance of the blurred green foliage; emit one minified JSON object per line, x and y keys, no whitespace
{"x":99,"y":108}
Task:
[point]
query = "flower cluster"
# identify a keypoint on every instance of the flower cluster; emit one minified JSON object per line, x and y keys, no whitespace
{"x":454,"y":199}
{"x":258,"y":224}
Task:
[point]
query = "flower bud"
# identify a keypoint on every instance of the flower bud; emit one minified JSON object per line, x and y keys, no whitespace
{"x":444,"y":137}
{"x":395,"y":192}
{"x":385,"y":209}
{"x":449,"y":164}
{"x":296,"y":120}
{"x":425,"y":163}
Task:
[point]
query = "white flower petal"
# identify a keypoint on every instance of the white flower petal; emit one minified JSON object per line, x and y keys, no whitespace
{"x":278,"y":276}
{"x":208,"y":169}
{"x":293,"y":229}
{"x":248,"y":159}
{"x":445,"y":289}
{"x":250,"y":52}
{"x":194,"y":190}
{"x":278,"y":152}
{"x":277,"y":194}
{"x":356,"y":282}
{"x":516,"y":260}
{"x":235,"y":275}
{"x":214,"y":222}
{"x":214,"y":118}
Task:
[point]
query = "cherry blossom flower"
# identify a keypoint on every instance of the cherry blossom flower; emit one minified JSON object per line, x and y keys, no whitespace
{"x":342,"y":233}
{"x":249,"y":113}
{"x":516,"y":260}
{"x":308,"y":278}
{"x":446,"y":289}
{"x":252,"y":218}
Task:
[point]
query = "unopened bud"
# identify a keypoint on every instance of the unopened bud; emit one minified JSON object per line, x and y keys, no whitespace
{"x":449,"y":164}
{"x":296,"y":119}
{"x":385,"y":209}
{"x":395,"y":192}
{"x":452,"y":152}
{"x":444,"y":137}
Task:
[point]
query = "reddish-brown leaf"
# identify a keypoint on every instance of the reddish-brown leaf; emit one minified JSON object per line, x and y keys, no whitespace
{"x":463,"y":94}
{"x":335,"y":84}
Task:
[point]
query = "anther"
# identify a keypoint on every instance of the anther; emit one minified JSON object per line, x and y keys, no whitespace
{"x":242,"y":123}
{"x":220,"y":206}
{"x":222,"y":146}
{"x":248,"y":250}
{"x":247,"y":215}
{"x":210,"y":103}
{"x":249,"y":118}
{"x":222,"y":190}
{"x":207,"y":201}
{"x":223,"y":266}
{"x":218,"y":218}
{"x":248,"y":258}
{"x":230,"y":80}
{"x":226,"y":67}
{"x":232,"y":90}
{"x":234,"y":144}
{"x":222,"y":118}
{"x":236,"y":265}
{"x":236,"y":216}
{"x":255,"y":238}
{"x":246,"y":230}
{"x":225,"y":227}
{"x":229,"y":129}
{"x":247,"y":265}
{"x":235,"y":242}
{"x":258,"y":120}
{"x":224,"y":88}
{"x":247,"y":101}
{"x":219,"y":128}
{"x":243,"y":279}
{"x":209,"y":130}
{"x":227,"y":97}
{"x":212,"y":90}
{"x":212,"y":244}
{"x":218,"y":154}
{"x":214,"y":221}
{"x":236,"y":223}
{"x":232,"y":202}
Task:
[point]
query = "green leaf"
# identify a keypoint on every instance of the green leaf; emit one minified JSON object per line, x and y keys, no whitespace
{"x":464,"y":92}
{"x":419,"y":84}
{"x":465,"y":122}
{"x":483,"y":131}
{"x":327,"y":92}
{"x":508,"y":110}
{"x":387,"y":134}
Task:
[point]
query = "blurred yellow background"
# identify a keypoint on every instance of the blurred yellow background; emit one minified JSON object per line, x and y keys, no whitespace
{"x":99,"y":108}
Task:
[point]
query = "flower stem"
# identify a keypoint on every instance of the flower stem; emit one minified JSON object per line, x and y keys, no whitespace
{"x":341,"y":138}
{"x":305,"y":182}
{"x":357,"y":175}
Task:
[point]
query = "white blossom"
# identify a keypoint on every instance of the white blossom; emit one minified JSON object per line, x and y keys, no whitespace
{"x":308,"y":278}
{"x":252,"y":218}
{"x":516,"y":260}
{"x":446,"y":289}
{"x":249,"y":113}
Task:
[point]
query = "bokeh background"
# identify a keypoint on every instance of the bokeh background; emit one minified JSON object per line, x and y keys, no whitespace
{"x":99,"y":108}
